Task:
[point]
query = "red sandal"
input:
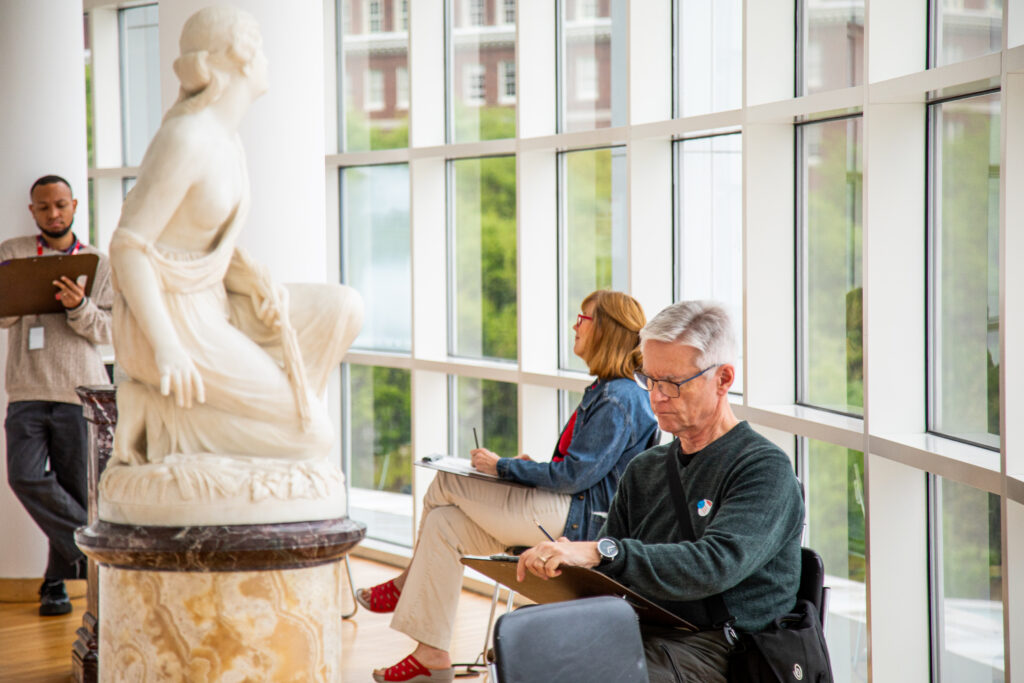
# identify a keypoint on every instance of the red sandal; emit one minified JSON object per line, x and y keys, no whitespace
{"x":409,"y":670}
{"x":380,"y":598}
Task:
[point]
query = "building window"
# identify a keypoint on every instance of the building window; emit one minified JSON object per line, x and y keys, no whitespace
{"x":401,"y":88}
{"x":592,"y":247}
{"x":964,"y":30}
{"x":140,"y":80}
{"x":964,"y":353}
{"x":833,"y":479}
{"x":709,"y":224}
{"x":586,"y":9}
{"x":509,"y":11}
{"x":829,"y":268}
{"x":374,"y":90}
{"x":710,"y":53}
{"x":831,"y":36}
{"x":477,"y":13}
{"x":378,"y":450}
{"x":376,"y":252}
{"x":507,"y":89}
{"x":403,"y":17}
{"x":586,"y":79}
{"x":491,"y":408}
{"x":482,"y":244}
{"x":366,"y":121}
{"x":374,"y":16}
{"x":967,"y":582}
{"x":474,"y":84}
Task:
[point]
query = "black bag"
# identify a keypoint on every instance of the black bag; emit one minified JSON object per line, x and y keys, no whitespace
{"x":791,"y":648}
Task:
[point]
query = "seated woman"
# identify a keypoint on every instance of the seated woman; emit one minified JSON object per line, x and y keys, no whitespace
{"x":464,"y":516}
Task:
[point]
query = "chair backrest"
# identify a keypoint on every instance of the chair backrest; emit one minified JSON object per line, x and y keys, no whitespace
{"x":593,"y":639}
{"x":812,"y":582}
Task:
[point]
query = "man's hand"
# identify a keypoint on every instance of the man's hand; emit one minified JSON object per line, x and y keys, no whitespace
{"x":70,"y":294}
{"x":545,"y":559}
{"x":484,"y":460}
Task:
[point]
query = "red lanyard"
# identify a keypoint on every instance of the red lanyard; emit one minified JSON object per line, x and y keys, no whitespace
{"x":72,"y":250}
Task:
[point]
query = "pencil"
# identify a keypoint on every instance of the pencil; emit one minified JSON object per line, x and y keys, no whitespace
{"x":543,"y":530}
{"x":475,"y":438}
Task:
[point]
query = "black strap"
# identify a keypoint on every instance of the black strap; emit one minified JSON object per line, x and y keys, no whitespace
{"x":714,"y":604}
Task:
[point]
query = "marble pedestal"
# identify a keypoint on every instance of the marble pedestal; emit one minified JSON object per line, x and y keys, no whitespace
{"x":227,"y":603}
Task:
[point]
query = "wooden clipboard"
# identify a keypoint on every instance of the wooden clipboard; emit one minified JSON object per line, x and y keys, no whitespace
{"x":573,"y":583}
{"x":26,"y":284}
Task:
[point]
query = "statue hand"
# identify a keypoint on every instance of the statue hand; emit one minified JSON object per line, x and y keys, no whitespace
{"x":179,"y":373}
{"x":271,"y":303}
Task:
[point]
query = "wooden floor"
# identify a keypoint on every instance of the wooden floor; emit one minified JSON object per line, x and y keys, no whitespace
{"x":38,"y":649}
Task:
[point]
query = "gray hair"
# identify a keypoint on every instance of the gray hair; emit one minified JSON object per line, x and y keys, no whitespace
{"x":704,"y":325}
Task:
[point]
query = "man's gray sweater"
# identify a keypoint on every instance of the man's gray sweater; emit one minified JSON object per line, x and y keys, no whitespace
{"x":748,"y":526}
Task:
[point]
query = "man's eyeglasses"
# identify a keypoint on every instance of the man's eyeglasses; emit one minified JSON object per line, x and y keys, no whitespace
{"x":668,"y":388}
{"x":580,"y":318}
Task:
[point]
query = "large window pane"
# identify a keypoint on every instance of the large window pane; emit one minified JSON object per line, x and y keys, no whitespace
{"x":592,"y":64}
{"x":379,"y":451}
{"x":968,"y":581}
{"x":964,"y":256}
{"x":831,"y":354}
{"x":710,"y":69}
{"x":834,"y":482}
{"x":375,"y":252}
{"x":491,"y":408}
{"x":709,"y":220}
{"x":373,"y":71}
{"x":593,"y":232}
{"x":963,"y":29}
{"x":481,"y":70}
{"x":140,"y":80}
{"x":483,"y":267}
{"x":832,"y":49}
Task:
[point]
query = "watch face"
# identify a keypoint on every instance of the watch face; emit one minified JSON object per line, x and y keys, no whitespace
{"x":608,"y":548}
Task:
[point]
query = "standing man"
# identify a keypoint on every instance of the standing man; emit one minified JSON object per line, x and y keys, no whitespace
{"x":48,"y":356}
{"x":743,"y":500}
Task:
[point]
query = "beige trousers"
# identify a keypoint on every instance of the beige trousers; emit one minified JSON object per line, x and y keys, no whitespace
{"x":464,"y":516}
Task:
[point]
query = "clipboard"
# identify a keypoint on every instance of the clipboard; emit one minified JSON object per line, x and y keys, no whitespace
{"x":26,"y":284}
{"x":461,"y":467}
{"x":573,"y":583}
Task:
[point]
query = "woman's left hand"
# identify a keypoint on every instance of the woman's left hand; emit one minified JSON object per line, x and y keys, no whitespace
{"x":484,"y":460}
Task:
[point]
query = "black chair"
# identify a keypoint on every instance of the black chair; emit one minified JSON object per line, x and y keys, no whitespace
{"x":579,"y":641}
{"x":812,"y":583}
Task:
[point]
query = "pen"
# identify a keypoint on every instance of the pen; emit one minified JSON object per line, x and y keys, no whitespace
{"x":475,"y":438}
{"x":543,"y":530}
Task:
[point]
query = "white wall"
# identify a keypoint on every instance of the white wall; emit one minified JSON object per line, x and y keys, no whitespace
{"x":42,"y":131}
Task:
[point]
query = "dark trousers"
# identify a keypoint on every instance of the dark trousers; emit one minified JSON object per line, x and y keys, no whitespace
{"x":675,"y":656}
{"x":47,"y":452}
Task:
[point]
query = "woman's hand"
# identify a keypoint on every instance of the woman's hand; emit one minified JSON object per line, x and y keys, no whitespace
{"x":484,"y":460}
{"x":544,"y":560}
{"x":179,"y":374}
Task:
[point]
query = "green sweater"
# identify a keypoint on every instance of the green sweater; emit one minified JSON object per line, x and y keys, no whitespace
{"x":748,"y":542}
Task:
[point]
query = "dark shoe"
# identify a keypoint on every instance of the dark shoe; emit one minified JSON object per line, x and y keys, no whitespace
{"x":53,"y":598}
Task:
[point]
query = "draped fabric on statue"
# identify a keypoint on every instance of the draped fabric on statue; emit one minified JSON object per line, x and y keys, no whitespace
{"x":260,"y":400}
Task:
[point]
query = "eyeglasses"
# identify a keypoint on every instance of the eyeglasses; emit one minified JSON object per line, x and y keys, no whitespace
{"x":668,"y":388}
{"x":580,"y":318}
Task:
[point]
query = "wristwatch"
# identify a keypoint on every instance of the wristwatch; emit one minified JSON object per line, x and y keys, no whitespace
{"x":608,"y":549}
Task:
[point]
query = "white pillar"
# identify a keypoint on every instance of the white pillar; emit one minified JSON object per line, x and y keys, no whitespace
{"x":42,"y":131}
{"x":283,"y":133}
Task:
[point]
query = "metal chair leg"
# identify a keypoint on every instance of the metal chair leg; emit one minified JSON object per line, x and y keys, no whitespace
{"x":351,"y":590}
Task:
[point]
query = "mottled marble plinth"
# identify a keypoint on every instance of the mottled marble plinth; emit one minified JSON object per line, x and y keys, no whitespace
{"x":281,"y":625}
{"x":225,"y":603}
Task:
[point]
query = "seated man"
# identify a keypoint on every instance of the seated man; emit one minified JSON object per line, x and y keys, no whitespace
{"x":749,"y":510}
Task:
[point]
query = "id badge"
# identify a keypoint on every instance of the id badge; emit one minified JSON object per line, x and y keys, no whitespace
{"x":35,"y":338}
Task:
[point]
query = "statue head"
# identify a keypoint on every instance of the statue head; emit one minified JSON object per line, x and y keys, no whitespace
{"x":216,"y":44}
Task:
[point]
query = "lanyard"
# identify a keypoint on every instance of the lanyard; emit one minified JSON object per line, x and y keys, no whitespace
{"x":72,"y":250}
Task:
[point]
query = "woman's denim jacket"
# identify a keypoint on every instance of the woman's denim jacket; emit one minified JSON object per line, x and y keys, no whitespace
{"x":614,"y":423}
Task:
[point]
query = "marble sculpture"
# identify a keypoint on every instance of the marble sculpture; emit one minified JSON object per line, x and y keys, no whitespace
{"x":220,"y":416}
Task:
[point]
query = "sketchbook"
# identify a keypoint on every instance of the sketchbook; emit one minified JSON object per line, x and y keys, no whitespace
{"x":461,"y":467}
{"x":573,"y":583}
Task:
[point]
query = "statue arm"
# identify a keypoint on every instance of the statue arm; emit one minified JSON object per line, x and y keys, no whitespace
{"x":165,"y":177}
